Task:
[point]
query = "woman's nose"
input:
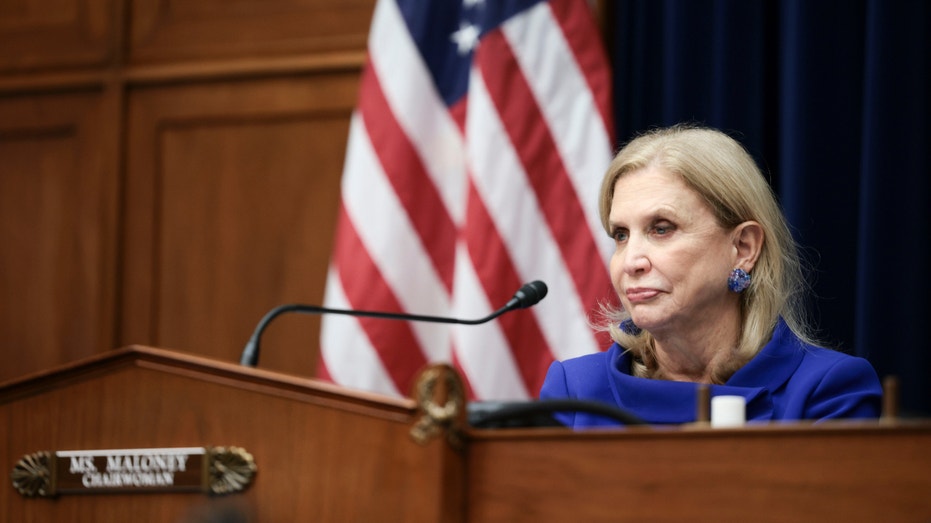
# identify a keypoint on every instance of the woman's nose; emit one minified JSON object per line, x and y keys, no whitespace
{"x":636,"y":256}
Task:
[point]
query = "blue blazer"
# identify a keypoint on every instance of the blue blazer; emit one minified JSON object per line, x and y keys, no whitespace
{"x":786,"y":380}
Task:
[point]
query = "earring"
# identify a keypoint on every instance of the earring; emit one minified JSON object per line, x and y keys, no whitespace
{"x":628,"y":327}
{"x":738,"y":281}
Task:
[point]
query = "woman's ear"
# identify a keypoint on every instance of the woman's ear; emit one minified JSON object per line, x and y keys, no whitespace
{"x":748,"y":241}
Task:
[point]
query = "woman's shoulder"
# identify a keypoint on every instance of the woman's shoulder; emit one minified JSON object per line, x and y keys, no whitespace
{"x":836,"y":385}
{"x":826,"y":360}
{"x":789,"y":359}
{"x":824,"y":365}
{"x":820,"y":356}
{"x":581,"y":376}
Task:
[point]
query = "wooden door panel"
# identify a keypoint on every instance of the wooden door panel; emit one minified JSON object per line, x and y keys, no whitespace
{"x":232,"y":196}
{"x":58,"y":198}
{"x":164,"y":31}
{"x":44,"y":34}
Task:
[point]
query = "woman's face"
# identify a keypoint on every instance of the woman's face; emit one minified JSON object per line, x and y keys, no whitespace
{"x":672,"y":258}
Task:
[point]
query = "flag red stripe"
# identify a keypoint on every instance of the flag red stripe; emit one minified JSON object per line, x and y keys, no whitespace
{"x":363,"y":283}
{"x":323,"y":373}
{"x":405,"y":170}
{"x":499,"y":277}
{"x":529,"y":132}
{"x":456,"y":364}
{"x":581,"y":32}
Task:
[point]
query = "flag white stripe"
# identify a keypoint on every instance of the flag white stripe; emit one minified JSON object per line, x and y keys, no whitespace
{"x":501,"y":180}
{"x":350,"y":358}
{"x":418,"y":107}
{"x":567,"y":103}
{"x":482,"y":350}
{"x":393,"y":243}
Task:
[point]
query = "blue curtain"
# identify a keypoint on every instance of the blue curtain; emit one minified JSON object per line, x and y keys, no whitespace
{"x":833,"y":100}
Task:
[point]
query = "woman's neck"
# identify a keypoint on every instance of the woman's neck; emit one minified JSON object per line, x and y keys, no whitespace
{"x":693,"y":355}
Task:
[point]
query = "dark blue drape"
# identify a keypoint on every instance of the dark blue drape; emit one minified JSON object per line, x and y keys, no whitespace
{"x":832,"y":99}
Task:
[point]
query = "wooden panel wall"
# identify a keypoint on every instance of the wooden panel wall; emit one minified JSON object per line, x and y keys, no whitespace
{"x":58,"y":34}
{"x":58,"y":185}
{"x":169,"y":171}
{"x":167,"y":32}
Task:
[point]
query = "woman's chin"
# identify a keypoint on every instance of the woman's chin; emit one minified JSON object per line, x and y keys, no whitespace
{"x":648,"y":323}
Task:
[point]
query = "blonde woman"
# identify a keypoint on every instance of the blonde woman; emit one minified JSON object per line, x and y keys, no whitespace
{"x":709,"y":282}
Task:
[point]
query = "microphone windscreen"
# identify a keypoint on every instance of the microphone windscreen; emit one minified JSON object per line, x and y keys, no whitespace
{"x":530,"y":294}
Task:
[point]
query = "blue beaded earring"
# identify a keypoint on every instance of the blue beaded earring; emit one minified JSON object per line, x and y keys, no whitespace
{"x":628,"y":327}
{"x":738,"y":281}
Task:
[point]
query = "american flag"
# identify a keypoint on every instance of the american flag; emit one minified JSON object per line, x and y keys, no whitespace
{"x":473,"y":164}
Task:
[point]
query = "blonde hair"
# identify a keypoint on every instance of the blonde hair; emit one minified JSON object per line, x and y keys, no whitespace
{"x":721,"y":171}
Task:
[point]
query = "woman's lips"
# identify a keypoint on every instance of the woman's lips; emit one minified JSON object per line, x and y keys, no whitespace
{"x":637,"y":295}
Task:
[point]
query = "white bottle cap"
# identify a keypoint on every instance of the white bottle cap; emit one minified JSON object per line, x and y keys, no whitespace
{"x":728,"y":411}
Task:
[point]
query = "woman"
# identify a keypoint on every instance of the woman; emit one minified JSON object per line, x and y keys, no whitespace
{"x":709,"y":281}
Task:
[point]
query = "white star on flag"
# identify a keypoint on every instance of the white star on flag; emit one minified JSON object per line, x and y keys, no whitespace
{"x":466,"y":38}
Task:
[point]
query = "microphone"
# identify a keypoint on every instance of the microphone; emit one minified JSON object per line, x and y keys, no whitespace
{"x":528,"y":295}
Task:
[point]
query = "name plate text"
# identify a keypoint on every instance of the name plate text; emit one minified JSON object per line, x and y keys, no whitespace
{"x":215,"y":470}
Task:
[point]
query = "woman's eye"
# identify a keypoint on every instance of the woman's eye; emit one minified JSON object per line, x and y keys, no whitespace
{"x":619,"y":235}
{"x":663,"y":229}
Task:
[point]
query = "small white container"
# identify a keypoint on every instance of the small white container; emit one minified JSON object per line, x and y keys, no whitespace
{"x":728,"y":411}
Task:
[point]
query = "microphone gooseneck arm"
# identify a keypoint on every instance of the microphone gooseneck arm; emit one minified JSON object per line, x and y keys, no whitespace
{"x":529,"y":294}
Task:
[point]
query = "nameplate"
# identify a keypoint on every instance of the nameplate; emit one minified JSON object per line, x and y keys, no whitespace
{"x":213,"y":470}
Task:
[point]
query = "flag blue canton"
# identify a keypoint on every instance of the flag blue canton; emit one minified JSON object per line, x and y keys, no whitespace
{"x":442,"y":30}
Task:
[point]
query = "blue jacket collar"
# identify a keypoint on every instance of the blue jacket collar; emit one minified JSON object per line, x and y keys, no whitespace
{"x":660,"y":401}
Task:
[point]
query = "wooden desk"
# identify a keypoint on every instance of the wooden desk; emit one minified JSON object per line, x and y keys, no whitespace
{"x":324,"y":453}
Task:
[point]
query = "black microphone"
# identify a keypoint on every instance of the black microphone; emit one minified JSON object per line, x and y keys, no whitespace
{"x":528,"y":295}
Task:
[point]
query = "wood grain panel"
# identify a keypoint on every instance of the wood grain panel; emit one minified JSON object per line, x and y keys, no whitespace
{"x":320,"y":455}
{"x":230,"y":211}
{"x":843,"y":471}
{"x":43,"y":34}
{"x":58,"y":201}
{"x":219,"y":29}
